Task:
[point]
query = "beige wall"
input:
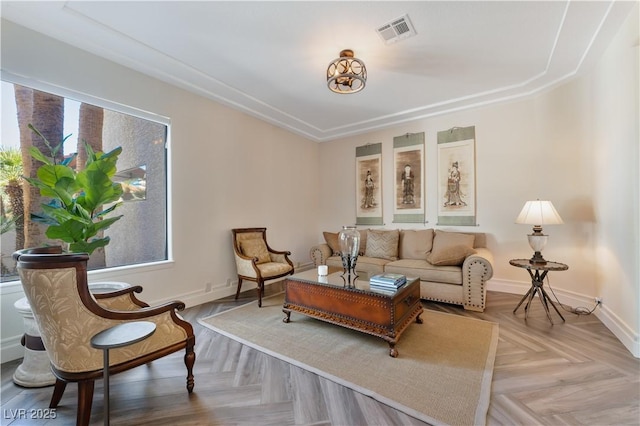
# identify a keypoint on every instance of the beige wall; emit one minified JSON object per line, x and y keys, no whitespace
{"x":515,"y":162}
{"x":576,"y":145}
{"x":614,"y":130}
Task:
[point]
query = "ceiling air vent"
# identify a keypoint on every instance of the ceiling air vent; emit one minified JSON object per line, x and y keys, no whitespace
{"x":396,"y":30}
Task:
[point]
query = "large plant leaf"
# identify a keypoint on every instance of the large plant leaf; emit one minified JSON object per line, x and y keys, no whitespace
{"x":61,"y":215}
{"x":107,"y":210}
{"x":66,"y":188}
{"x":103,"y":224}
{"x":45,"y":190}
{"x":69,"y":231}
{"x":50,"y":175}
{"x":80,"y":212}
{"x":54,"y":150}
{"x":38,"y":155}
{"x":43,"y":218}
{"x":56,"y":181}
{"x":88,"y":247}
{"x":98,"y":187}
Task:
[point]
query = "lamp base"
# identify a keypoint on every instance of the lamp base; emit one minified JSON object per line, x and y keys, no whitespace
{"x":537,"y":259}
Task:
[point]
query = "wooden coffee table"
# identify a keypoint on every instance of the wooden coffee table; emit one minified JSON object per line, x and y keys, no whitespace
{"x":354,"y":305}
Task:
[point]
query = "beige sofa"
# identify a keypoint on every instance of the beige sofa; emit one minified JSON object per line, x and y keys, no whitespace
{"x":453,"y":267}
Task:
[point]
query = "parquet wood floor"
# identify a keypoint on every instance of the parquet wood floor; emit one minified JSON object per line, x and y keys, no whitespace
{"x":576,"y":373}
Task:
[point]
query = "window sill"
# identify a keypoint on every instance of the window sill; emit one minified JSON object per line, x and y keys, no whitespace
{"x":107,"y":274}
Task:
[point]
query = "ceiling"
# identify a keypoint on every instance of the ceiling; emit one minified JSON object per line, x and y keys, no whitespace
{"x":269,"y":59}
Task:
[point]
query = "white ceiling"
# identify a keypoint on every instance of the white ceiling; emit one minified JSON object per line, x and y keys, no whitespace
{"x":269,"y":59}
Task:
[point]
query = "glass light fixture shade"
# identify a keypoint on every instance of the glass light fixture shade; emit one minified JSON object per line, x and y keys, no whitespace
{"x":346,"y":74}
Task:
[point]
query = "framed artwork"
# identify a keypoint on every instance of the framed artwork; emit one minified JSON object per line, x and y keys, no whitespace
{"x":369,"y":184}
{"x":409,"y":176}
{"x":457,"y":177}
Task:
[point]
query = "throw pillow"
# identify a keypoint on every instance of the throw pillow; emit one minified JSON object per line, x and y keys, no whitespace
{"x":415,"y":244}
{"x":448,"y":248}
{"x":332,"y":240}
{"x":450,"y":256}
{"x":382,"y":244}
{"x":255,"y":248}
{"x":363,"y":242}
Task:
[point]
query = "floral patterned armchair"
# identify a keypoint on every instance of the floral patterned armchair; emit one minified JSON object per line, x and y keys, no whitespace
{"x":256,"y":261}
{"x":68,"y":316}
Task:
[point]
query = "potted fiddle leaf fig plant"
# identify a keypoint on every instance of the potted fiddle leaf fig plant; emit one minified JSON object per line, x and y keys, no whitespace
{"x":75,"y":213}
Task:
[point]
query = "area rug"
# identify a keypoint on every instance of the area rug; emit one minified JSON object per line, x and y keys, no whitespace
{"x":442,"y":375}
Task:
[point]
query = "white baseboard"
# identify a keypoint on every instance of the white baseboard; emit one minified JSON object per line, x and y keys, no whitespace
{"x":221,"y":291}
{"x":619,"y":328}
{"x":11,"y":348}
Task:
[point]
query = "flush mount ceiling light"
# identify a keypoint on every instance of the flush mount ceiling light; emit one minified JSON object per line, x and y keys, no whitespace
{"x":346,"y":74}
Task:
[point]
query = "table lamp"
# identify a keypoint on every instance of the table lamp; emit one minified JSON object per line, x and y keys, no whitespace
{"x":538,"y":213}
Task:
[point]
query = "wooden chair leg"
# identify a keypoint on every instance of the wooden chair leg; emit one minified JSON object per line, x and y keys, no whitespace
{"x":260,"y":290}
{"x":189,"y":361}
{"x":58,"y":391}
{"x":85,"y":399}
{"x":239,"y":287}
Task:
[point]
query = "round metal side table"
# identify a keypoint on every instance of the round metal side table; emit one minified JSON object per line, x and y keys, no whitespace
{"x":538,"y":272}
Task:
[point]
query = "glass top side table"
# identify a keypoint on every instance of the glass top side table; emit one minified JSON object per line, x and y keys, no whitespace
{"x":538,"y":272}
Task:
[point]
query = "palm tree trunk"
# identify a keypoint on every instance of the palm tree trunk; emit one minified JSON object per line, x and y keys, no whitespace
{"x":14,"y":191}
{"x":90,"y":131}
{"x":46,"y":113}
{"x":24,"y":106}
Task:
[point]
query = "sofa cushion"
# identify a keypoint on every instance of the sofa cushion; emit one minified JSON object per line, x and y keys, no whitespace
{"x":371,"y":265}
{"x":453,"y":255}
{"x":415,"y":244}
{"x":271,"y":269}
{"x":382,"y":244}
{"x":449,"y":248}
{"x":332,"y":240}
{"x":255,"y":247}
{"x":425,"y":271}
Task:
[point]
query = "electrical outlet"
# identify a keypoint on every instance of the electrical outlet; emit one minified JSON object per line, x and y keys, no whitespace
{"x":208,"y":287}
{"x":598,"y":300}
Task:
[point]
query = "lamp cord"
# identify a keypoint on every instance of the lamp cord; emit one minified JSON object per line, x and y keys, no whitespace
{"x":579,"y":310}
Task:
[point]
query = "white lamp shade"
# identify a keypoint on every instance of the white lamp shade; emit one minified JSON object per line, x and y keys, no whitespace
{"x":539,"y":213}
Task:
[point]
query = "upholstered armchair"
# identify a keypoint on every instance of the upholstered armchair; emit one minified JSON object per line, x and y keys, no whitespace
{"x":256,"y":261}
{"x":68,"y":316}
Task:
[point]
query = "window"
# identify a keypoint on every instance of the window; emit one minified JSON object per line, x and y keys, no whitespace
{"x":140,"y":236}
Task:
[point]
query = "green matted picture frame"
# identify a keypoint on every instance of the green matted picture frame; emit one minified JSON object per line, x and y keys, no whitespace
{"x":409,"y":178}
{"x":457,"y":177}
{"x":369,"y":184}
